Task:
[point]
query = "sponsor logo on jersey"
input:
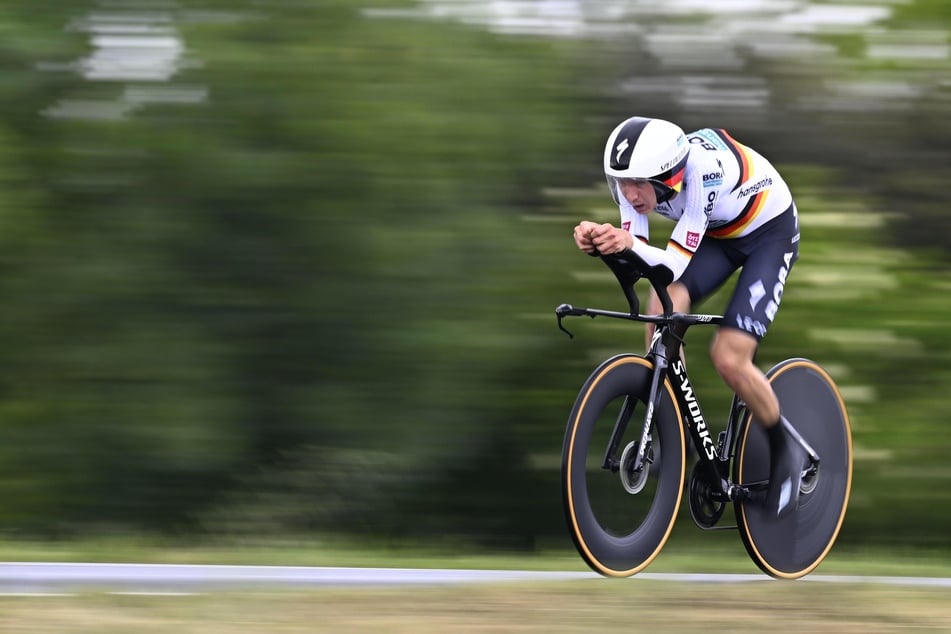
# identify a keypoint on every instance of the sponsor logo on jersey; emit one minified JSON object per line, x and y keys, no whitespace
{"x":693,"y":239}
{"x":708,"y":140}
{"x":755,"y":187}
{"x":626,"y":225}
{"x":713,"y":179}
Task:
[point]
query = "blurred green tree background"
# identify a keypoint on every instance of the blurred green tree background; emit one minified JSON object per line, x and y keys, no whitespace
{"x":289,"y":267}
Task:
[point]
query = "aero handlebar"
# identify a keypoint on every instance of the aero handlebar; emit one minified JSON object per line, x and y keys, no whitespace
{"x":628,"y":268}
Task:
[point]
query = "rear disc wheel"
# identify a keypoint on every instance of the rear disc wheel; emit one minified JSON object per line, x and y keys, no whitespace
{"x":792,"y":547}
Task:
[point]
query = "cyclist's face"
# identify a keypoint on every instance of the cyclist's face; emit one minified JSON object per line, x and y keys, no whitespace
{"x":639,"y":193}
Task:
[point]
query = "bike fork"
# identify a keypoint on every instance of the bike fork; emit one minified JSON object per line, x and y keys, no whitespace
{"x":610,"y":463}
{"x":657,"y":383}
{"x":620,"y":425}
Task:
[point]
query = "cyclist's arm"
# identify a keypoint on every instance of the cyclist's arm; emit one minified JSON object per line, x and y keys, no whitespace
{"x":683,"y":243}
{"x":687,"y":233}
{"x":634,"y":223}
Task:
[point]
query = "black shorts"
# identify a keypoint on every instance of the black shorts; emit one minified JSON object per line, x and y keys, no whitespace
{"x":765,"y":258}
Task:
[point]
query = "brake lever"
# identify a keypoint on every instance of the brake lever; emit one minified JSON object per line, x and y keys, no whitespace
{"x":565,"y":310}
{"x":563,"y":329}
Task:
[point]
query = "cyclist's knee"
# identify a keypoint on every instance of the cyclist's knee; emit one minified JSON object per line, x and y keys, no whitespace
{"x":726,"y":365}
{"x":732,"y":354}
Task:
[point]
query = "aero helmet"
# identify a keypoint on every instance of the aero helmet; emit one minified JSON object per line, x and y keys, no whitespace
{"x":647,"y":149}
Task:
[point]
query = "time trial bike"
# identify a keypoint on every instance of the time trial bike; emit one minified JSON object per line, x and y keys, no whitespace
{"x":624,"y":458}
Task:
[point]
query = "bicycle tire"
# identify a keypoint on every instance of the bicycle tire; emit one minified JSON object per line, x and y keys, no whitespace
{"x":793,"y":547}
{"x":618,"y":533}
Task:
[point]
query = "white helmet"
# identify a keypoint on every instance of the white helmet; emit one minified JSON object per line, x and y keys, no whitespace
{"x":647,"y":149}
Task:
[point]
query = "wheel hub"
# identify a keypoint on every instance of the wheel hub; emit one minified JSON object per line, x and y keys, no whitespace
{"x":810,"y":480}
{"x":634,"y":481}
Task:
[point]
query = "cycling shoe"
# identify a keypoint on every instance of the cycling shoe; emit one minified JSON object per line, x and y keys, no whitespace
{"x":786,"y":460}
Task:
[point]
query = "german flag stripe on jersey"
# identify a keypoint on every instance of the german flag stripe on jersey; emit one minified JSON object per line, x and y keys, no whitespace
{"x":740,"y":152}
{"x":679,"y":248}
{"x":736,"y":226}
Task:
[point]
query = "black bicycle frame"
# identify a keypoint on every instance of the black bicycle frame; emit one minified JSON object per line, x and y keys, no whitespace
{"x":665,"y":354}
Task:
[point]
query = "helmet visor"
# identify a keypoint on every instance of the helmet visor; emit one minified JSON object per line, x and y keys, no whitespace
{"x":662,"y":191}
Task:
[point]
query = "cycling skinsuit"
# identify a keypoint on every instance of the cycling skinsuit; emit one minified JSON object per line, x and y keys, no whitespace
{"x":734,"y":211}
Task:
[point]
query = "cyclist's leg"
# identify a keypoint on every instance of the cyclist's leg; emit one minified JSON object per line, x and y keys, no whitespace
{"x":732,"y":353}
{"x":709,"y":268}
{"x":769,"y":257}
{"x":766,"y":257}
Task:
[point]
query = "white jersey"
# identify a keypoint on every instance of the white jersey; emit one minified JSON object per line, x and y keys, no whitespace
{"x":728,"y":191}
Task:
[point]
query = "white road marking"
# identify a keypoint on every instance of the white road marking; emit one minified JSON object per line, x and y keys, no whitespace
{"x":64,"y":579}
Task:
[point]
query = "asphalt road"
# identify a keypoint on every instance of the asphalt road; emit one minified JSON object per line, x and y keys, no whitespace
{"x":30,"y":578}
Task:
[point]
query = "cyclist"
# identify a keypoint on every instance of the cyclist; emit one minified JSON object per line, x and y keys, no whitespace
{"x":732,"y":211}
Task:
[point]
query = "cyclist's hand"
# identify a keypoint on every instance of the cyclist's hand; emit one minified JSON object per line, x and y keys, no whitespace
{"x":610,"y":239}
{"x":582,"y":236}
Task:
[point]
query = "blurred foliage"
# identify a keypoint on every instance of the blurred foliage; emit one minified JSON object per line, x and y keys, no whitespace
{"x":306,"y":273}
{"x":305,"y":283}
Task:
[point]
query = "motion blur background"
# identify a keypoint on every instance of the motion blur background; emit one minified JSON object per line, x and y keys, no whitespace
{"x":289,"y":267}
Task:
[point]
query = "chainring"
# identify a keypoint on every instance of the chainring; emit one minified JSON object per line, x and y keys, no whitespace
{"x":705,"y":511}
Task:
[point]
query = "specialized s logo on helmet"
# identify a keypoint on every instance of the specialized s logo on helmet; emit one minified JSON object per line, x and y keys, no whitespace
{"x":622,"y":146}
